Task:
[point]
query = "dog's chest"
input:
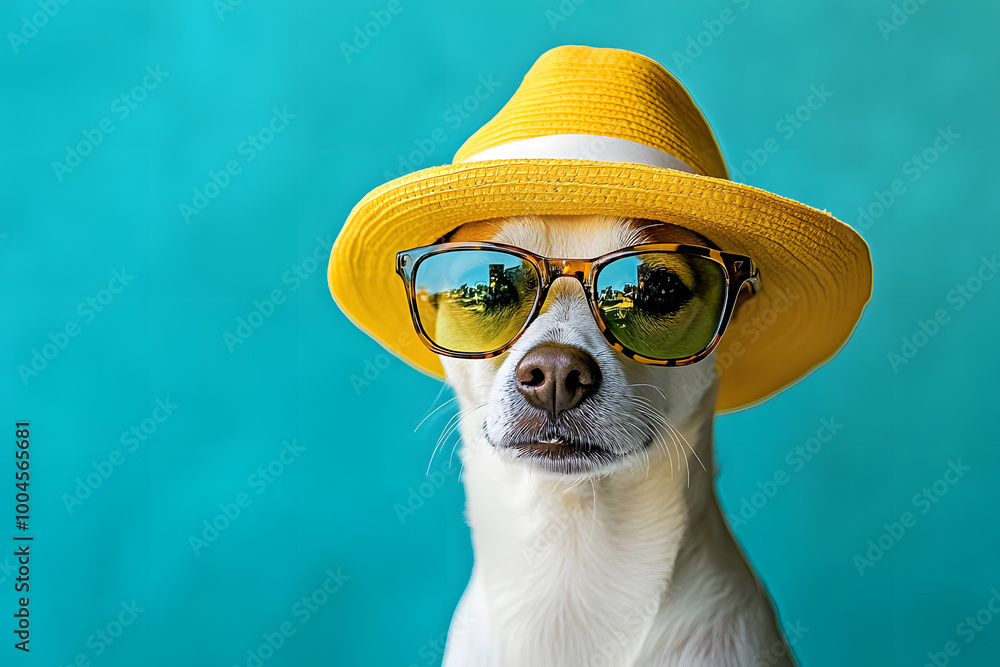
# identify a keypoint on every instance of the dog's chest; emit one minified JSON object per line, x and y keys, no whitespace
{"x":563,"y":581}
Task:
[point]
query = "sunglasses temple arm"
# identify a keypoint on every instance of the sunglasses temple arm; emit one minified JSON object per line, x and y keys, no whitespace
{"x":753,"y":280}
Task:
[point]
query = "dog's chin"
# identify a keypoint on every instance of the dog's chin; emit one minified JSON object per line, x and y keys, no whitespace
{"x":563,"y":456}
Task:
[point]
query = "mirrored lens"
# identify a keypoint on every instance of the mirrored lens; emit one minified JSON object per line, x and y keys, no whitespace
{"x":474,"y":301}
{"x":662,"y":305}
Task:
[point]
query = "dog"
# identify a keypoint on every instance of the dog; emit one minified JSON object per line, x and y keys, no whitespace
{"x":587,"y":402}
{"x":597,"y":533}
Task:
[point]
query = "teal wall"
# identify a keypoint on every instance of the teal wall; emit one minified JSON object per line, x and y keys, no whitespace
{"x":258,"y":122}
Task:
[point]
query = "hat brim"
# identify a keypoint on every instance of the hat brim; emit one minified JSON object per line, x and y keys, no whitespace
{"x":816,"y":272}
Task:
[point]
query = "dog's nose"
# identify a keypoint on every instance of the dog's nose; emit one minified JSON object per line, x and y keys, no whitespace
{"x":556,"y":378}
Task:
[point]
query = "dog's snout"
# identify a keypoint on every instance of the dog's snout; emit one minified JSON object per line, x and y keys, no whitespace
{"x":556,"y":378}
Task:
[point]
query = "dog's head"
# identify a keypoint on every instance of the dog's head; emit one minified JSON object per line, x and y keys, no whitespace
{"x":561,"y":399}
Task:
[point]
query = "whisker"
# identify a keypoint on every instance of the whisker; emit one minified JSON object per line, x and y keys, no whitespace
{"x":531,"y":487}
{"x":451,"y":456}
{"x":431,"y":413}
{"x":651,"y":386}
{"x":645,"y":453}
{"x":454,"y":419}
{"x":685,"y":441}
{"x":654,"y":433}
{"x":453,"y":423}
{"x":677,"y":438}
{"x":593,"y":518}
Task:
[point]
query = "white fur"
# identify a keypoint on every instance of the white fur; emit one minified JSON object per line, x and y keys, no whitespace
{"x":629,"y":564}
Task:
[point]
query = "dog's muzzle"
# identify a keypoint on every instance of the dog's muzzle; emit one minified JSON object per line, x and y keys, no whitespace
{"x":557,"y":428}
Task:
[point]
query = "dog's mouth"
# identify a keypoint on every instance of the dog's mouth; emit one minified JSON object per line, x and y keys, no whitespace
{"x":560,"y":454}
{"x":565,"y":456}
{"x":557,"y":448}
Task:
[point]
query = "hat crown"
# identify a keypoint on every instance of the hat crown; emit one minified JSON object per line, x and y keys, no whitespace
{"x":580,"y":90}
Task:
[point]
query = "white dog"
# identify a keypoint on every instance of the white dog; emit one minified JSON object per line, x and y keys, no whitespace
{"x":586,"y":418}
{"x":598,"y":537}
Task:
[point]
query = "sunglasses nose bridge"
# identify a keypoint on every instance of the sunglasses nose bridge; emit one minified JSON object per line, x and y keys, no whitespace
{"x":570,"y":268}
{"x":576,"y":269}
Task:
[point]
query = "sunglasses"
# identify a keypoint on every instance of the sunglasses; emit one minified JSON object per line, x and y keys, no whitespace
{"x":662,"y":303}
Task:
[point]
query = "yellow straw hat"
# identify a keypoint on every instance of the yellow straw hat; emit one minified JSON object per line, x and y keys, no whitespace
{"x":606,"y":131}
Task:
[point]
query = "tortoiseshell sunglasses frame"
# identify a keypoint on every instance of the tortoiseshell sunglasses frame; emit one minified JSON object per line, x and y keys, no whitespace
{"x":739,"y":270}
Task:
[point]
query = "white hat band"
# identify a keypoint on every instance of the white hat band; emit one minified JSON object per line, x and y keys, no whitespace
{"x":582,"y":147}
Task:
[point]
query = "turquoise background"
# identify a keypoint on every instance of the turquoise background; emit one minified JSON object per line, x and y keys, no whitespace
{"x":301,"y":374}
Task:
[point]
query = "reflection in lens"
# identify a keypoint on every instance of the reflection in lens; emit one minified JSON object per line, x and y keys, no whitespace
{"x":474,"y":301}
{"x":662,"y":305}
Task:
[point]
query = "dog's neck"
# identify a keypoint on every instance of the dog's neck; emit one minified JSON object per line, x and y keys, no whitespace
{"x":585,"y":570}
